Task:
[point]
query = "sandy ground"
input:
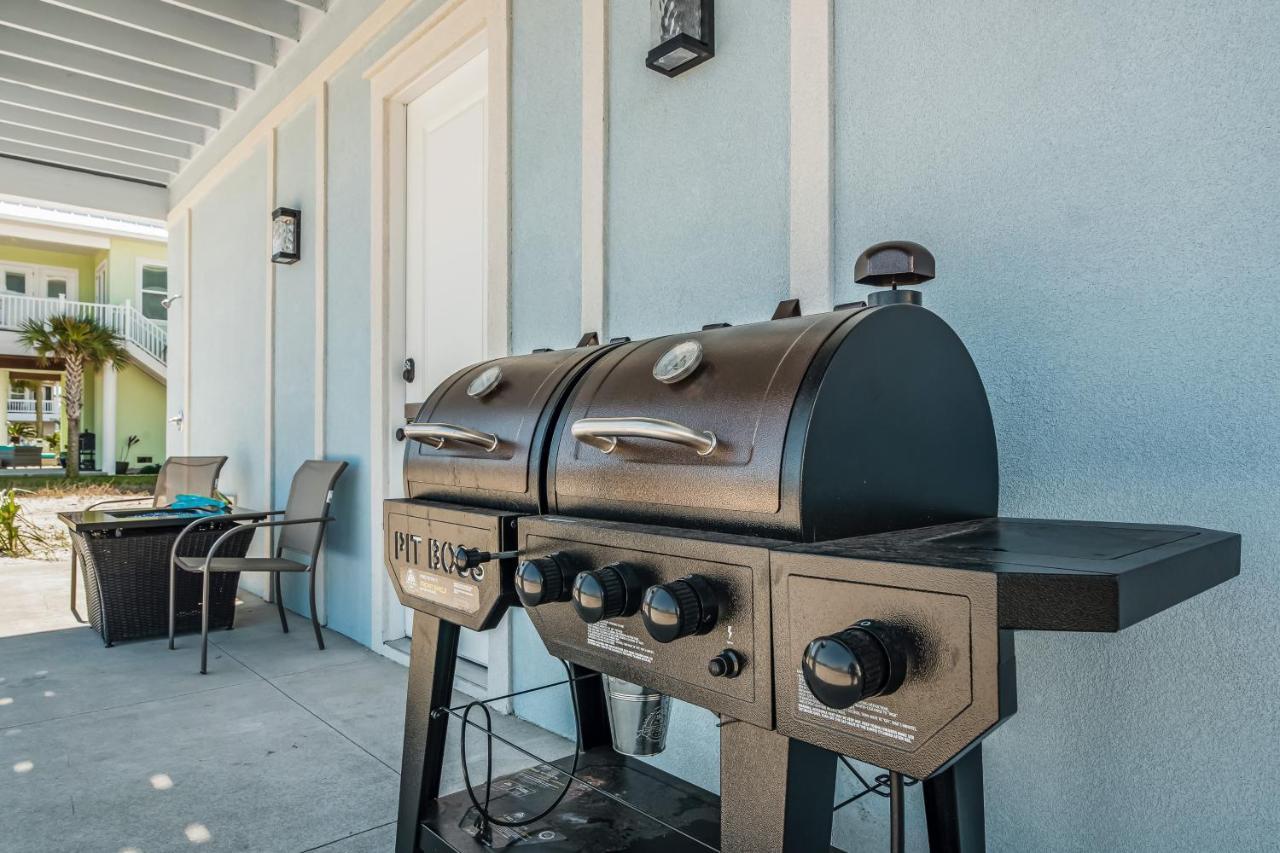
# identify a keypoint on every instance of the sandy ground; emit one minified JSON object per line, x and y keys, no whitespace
{"x":41,"y":511}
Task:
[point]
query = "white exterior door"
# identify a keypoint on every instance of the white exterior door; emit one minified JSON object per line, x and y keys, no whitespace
{"x":446,"y":250}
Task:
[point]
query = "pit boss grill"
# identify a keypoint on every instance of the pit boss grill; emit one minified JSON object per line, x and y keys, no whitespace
{"x":792,"y":524}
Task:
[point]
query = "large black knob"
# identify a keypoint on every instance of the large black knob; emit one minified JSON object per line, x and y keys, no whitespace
{"x":864,"y":660}
{"x":543,"y":579}
{"x":606,"y":593}
{"x":891,"y":264}
{"x":680,"y":608}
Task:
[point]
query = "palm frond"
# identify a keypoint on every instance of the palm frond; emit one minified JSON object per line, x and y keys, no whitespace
{"x":64,"y":335}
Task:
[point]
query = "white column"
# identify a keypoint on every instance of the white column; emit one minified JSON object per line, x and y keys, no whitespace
{"x":811,"y":154}
{"x":4,"y":407}
{"x":107,"y":441}
{"x":595,"y":141}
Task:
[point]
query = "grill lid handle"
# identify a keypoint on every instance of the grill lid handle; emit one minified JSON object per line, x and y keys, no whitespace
{"x":603,"y":433}
{"x":436,"y":435}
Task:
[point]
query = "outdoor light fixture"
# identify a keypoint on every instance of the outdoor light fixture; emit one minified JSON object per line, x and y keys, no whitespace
{"x":683,"y":35}
{"x":286,"y":235}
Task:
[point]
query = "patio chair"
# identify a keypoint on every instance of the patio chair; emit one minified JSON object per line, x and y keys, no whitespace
{"x":306,"y":515}
{"x":179,"y":475}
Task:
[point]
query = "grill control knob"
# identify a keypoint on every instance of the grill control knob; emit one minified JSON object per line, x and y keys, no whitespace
{"x":864,"y":660}
{"x":606,"y":593}
{"x":680,"y":608}
{"x":543,"y":579}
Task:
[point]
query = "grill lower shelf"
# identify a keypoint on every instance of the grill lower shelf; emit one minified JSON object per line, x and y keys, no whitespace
{"x":584,"y":820}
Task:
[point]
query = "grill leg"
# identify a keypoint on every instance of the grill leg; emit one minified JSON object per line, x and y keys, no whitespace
{"x":775,"y":793}
{"x":275,"y":581}
{"x":431,"y":664}
{"x":315,"y":623}
{"x":593,"y":718}
{"x":953,"y":807}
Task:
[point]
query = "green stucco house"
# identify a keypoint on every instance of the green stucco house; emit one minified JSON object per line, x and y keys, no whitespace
{"x":115,"y":270}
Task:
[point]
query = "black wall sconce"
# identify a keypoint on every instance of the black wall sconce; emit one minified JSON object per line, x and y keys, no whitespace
{"x":684,"y":35}
{"x":286,"y":235}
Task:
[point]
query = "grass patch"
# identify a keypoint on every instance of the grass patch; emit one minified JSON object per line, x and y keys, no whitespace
{"x":59,"y":484}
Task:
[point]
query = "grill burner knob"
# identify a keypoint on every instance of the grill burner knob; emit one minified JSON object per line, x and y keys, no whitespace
{"x":680,"y":608}
{"x":606,"y":593}
{"x":543,"y":579}
{"x":864,"y":660}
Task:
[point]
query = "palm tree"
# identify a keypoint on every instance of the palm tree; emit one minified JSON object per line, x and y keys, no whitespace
{"x":80,"y":343}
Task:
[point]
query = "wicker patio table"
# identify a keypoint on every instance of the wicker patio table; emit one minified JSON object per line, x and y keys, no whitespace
{"x":124,"y":557}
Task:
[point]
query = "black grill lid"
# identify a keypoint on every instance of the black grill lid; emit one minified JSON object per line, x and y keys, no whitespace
{"x":480,"y":437}
{"x":812,"y":427}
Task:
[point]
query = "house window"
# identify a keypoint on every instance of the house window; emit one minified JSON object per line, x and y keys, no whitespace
{"x":154,"y":287}
{"x":15,"y":281}
{"x":55,"y":287}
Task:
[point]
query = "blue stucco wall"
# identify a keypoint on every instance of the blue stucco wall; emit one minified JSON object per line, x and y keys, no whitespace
{"x":1098,"y":182}
{"x":293,"y":412}
{"x":546,"y":174}
{"x":696,"y":214}
{"x":227,"y":299}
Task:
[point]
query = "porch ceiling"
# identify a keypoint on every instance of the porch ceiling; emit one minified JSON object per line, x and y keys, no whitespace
{"x":132,"y":88}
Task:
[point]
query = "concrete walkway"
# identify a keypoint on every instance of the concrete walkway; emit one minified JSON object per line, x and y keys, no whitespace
{"x":281,"y":747}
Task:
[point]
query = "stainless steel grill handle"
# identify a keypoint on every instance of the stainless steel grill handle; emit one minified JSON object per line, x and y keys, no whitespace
{"x":437,"y":434}
{"x":603,"y":433}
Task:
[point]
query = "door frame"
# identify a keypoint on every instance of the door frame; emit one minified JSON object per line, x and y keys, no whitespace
{"x":452,"y":34}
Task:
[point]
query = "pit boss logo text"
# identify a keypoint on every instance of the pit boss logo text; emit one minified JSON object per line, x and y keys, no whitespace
{"x":441,"y":556}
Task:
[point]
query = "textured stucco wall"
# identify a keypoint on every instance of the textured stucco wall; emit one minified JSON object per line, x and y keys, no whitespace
{"x":1098,"y":182}
{"x":228,"y":333}
{"x":122,"y":269}
{"x":140,"y":402}
{"x":697,"y":188}
{"x":546,"y":174}
{"x":293,"y":411}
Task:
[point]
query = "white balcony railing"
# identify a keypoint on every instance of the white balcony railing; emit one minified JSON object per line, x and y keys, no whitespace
{"x":52,"y":409}
{"x":127,"y":321}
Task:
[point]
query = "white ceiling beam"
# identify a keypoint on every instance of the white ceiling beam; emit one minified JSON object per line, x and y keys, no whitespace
{"x":161,"y":19}
{"x":273,"y":17}
{"x":76,"y":145}
{"x":81,"y":161}
{"x":70,"y":57}
{"x":34,"y":183}
{"x":51,"y":102}
{"x":87,"y":31}
{"x":318,"y":5}
{"x":25,"y":117}
{"x":105,"y":92}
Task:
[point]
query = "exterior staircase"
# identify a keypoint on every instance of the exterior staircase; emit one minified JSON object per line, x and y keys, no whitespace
{"x":146,"y":340}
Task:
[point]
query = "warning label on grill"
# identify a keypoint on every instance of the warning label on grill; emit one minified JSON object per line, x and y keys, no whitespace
{"x":441,"y":589}
{"x":611,"y":637}
{"x":866,"y":717}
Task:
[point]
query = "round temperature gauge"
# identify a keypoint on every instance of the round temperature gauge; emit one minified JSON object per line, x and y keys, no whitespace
{"x":485,"y":382}
{"x":678,"y":362}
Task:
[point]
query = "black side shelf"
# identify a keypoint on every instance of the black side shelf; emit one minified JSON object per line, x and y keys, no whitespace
{"x":1063,"y":575}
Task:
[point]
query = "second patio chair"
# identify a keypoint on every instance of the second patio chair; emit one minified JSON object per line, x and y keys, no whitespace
{"x":306,"y":515}
{"x":179,"y":475}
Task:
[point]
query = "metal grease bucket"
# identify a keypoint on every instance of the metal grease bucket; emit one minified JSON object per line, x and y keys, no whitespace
{"x":638,"y":717}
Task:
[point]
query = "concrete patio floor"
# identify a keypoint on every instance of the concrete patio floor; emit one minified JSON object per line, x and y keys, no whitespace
{"x":281,"y":747}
